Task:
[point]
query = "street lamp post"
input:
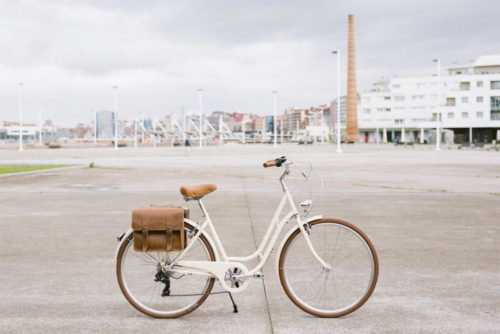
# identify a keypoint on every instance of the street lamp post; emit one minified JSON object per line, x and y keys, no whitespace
{"x":438,"y":133}
{"x":200,"y":91}
{"x":40,"y":128}
{"x":142,"y":127}
{"x":183,"y":126}
{"x":116,"y":115}
{"x":281,"y":130}
{"x":337,"y":52}
{"x":275,"y":92}
{"x":94,"y":115}
{"x":135,"y":133}
{"x":20,"y":116}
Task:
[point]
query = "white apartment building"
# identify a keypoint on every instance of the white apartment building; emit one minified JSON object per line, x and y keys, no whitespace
{"x":406,"y":109}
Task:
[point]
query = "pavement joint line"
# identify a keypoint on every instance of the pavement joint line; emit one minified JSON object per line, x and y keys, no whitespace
{"x":42,"y":171}
{"x":255,"y":245}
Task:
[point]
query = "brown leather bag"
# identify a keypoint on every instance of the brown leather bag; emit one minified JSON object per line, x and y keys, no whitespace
{"x":159,"y":229}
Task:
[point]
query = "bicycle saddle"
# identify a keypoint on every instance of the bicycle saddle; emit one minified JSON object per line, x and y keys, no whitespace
{"x":198,"y":190}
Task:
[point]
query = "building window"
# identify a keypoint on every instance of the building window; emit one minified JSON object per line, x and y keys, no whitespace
{"x":479,"y":99}
{"x":380,"y":109}
{"x":434,"y":116}
{"x":399,"y":121}
{"x":396,"y":86}
{"x":417,"y":97}
{"x":479,"y":114}
{"x":387,"y":97}
{"x":399,"y":98}
{"x":366,"y":110}
{"x":465,"y":86}
{"x":465,"y":99}
{"x":387,"y":109}
{"x":465,"y":115}
{"x":451,"y":115}
{"x":479,"y":84}
{"x":495,"y":108}
{"x":450,"y":101}
{"x":495,"y":85}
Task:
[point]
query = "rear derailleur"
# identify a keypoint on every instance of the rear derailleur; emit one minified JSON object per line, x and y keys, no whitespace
{"x":165,"y":279}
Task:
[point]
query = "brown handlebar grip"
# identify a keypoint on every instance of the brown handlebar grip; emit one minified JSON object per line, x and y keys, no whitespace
{"x":270,"y":163}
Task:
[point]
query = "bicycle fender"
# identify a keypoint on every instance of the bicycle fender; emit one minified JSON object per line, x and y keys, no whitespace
{"x":125,"y":237}
{"x":285,"y":238}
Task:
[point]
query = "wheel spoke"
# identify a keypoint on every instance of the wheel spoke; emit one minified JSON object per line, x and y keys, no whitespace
{"x":332,"y":292}
{"x":143,"y":282}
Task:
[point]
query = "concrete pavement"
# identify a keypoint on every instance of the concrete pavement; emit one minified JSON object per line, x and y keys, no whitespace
{"x":432,"y":216}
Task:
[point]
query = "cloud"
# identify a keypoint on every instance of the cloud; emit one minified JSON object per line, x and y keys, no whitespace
{"x":69,"y":54}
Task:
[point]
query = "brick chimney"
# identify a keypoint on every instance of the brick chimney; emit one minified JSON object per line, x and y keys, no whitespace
{"x":352,"y":95}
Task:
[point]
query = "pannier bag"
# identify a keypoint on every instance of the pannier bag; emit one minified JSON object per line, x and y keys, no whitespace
{"x":159,"y":229}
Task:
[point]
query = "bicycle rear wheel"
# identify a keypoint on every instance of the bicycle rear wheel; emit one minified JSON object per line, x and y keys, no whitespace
{"x":327,"y":292}
{"x":158,"y":293}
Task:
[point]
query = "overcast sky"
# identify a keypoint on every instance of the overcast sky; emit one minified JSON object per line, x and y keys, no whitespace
{"x":69,"y":54}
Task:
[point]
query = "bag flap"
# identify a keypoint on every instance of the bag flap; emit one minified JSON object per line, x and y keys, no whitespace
{"x":158,"y":218}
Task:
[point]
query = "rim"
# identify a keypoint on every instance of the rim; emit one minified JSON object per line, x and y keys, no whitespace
{"x":146,"y":309}
{"x":342,"y":310}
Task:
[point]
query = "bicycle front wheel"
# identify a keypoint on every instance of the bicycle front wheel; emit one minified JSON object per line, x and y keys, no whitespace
{"x":159,"y":293}
{"x":335,"y":291}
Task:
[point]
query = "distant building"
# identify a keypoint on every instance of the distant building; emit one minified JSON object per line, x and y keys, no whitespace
{"x":148,"y":124}
{"x":269,"y":124}
{"x":105,"y":124}
{"x":259,"y":125}
{"x":333,"y":113}
{"x":407,"y":108}
{"x":9,"y":131}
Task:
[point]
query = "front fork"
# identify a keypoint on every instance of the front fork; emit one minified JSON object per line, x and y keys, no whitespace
{"x":306,"y":231}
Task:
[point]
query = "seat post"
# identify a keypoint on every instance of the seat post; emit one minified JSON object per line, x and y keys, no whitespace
{"x":202,"y":207}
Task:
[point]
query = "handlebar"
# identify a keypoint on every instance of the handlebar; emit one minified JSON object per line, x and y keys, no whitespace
{"x":275,"y":163}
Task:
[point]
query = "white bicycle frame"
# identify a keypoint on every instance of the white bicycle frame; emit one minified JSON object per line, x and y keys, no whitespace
{"x":225,"y":264}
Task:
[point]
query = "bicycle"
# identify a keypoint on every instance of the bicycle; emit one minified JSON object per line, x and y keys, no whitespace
{"x":326,"y":266}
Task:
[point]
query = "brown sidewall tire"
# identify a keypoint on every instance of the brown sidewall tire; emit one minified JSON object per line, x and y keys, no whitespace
{"x":156,"y":315}
{"x":305,"y":307}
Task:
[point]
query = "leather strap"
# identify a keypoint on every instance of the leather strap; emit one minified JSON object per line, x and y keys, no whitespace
{"x":145,"y":234}
{"x":144,"y":238}
{"x":169,"y":239}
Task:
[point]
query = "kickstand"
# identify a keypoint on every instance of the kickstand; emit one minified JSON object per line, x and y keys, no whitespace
{"x":235,"y":310}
